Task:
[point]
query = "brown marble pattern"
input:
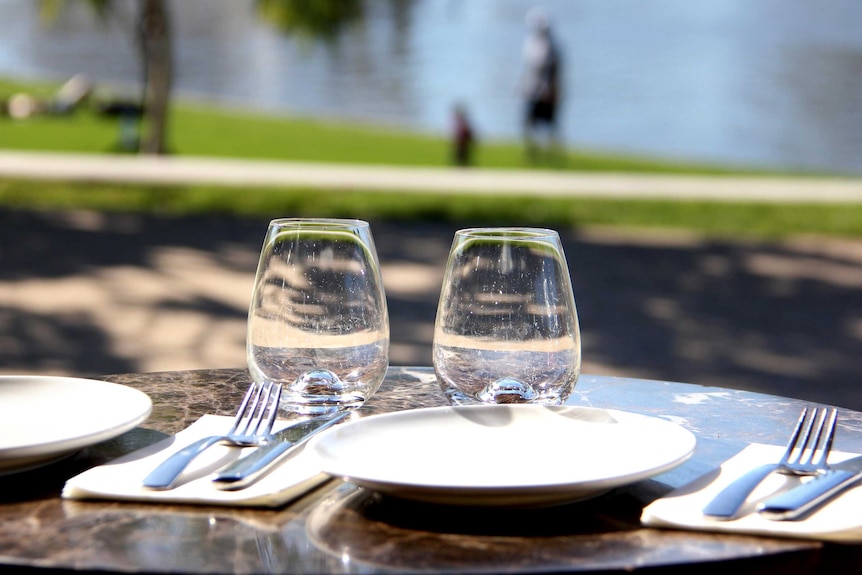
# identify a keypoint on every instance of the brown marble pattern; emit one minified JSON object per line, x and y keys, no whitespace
{"x":341,"y":528}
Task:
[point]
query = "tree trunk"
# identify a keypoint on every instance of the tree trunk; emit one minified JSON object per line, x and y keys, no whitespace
{"x":155,"y":45}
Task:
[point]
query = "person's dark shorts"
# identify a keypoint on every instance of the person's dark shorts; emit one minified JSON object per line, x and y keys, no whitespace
{"x":541,"y":112}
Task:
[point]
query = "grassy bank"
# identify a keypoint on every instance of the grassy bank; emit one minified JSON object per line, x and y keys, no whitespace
{"x":719,"y":219}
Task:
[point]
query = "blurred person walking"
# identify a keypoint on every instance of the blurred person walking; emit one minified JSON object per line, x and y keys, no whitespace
{"x":540,"y":84}
{"x":463,"y":137}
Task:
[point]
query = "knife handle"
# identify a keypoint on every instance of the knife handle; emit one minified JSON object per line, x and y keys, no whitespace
{"x":726,"y":504}
{"x":242,"y":473}
{"x":246,"y":471}
{"x":798,"y":501}
{"x":164,"y":476}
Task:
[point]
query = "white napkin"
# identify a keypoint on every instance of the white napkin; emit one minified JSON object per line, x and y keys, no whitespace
{"x":839,"y":520}
{"x":121,"y":479}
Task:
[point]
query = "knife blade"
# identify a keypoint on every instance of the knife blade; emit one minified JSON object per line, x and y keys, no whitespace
{"x":245,"y":471}
{"x":802,"y":499}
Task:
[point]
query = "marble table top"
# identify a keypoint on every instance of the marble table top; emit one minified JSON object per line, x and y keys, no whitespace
{"x":341,"y":528}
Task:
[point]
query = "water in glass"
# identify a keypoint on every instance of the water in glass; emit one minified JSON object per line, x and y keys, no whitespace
{"x":318,"y":320}
{"x":507,"y":328}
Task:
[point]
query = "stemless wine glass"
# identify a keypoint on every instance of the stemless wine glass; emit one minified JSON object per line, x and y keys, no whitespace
{"x":507,"y":327}
{"x":318,"y":321}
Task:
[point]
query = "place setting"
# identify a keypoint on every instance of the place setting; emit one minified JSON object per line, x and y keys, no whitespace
{"x":317,"y":348}
{"x":801,"y":490}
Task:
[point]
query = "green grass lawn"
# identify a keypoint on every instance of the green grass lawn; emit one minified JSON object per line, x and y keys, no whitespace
{"x":204,"y":130}
{"x":201,"y":130}
{"x":709,"y":218}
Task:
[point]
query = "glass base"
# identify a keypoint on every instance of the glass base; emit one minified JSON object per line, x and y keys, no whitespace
{"x":502,"y":391}
{"x":508,"y":390}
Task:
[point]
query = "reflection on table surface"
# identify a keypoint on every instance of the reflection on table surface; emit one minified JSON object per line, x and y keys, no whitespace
{"x":341,"y":528}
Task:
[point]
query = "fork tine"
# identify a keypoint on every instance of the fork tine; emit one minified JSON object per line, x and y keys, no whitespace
{"x":830,"y":436}
{"x":273,"y":410}
{"x":254,"y":425}
{"x":818,"y":435}
{"x":240,"y":412}
{"x":266,"y":410}
{"x":794,"y":437}
{"x":257,"y":409}
{"x":806,"y":438}
{"x":263,"y":426}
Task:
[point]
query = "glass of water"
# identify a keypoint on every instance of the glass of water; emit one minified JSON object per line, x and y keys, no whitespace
{"x":507,"y":327}
{"x":318,"y":321}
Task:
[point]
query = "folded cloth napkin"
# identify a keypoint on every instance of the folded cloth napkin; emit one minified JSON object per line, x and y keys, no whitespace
{"x":682,"y":508}
{"x":121,"y":479}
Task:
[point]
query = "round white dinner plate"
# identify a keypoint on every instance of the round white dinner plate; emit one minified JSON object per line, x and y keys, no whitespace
{"x":44,"y":418}
{"x":511,"y":455}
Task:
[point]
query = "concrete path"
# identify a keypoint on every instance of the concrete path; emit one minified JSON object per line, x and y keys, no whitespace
{"x":231,"y":172}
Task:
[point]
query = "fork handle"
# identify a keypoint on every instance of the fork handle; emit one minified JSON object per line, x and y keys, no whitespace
{"x":726,"y":504}
{"x":164,"y":476}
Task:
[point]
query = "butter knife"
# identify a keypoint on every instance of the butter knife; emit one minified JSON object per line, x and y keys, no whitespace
{"x":802,"y":499}
{"x":242,"y":473}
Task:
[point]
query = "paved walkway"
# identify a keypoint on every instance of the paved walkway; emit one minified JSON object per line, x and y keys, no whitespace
{"x":232,"y":172}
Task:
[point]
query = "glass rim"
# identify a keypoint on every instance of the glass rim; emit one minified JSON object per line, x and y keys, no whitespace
{"x":507,"y":232}
{"x":336,"y":223}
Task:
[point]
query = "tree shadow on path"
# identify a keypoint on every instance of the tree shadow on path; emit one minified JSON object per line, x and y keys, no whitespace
{"x":782,"y":318}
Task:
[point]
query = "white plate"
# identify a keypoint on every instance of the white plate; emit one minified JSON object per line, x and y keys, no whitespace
{"x":43,"y":419}
{"x":511,"y":455}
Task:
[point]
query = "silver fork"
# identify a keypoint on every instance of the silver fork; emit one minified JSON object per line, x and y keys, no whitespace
{"x":798,"y":459}
{"x":251,"y":426}
{"x":804,"y":464}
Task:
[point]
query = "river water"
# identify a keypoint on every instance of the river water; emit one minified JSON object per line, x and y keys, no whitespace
{"x":769,"y":83}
